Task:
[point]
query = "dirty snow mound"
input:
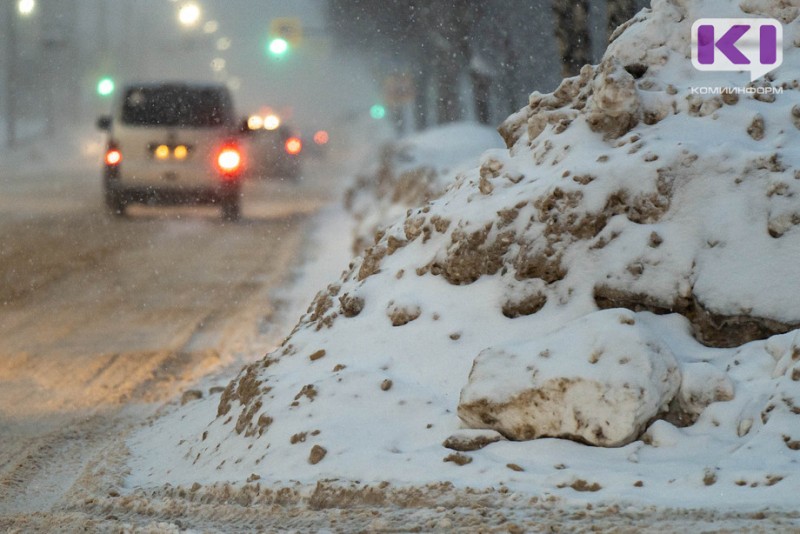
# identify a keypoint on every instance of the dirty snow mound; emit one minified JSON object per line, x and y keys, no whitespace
{"x":621,"y":190}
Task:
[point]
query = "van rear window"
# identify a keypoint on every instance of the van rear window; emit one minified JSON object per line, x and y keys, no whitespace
{"x":176,"y":106}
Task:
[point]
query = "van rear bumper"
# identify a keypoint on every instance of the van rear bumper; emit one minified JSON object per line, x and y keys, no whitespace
{"x":174,"y":195}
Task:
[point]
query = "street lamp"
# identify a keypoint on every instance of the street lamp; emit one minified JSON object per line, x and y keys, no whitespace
{"x":189,"y":14}
{"x":26,"y":7}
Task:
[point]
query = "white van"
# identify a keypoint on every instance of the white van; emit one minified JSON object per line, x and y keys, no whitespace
{"x":173,"y":143}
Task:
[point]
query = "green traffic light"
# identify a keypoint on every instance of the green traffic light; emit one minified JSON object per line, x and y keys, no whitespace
{"x":377,"y":111}
{"x":278,"y":46}
{"x":105,"y":87}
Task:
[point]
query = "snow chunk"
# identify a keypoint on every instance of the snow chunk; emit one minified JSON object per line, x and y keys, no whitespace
{"x":599,"y":379}
{"x":702,"y":385}
{"x":614,"y":104}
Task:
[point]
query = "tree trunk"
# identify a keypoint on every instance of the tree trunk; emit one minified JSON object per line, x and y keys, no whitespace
{"x":572,"y":34}
{"x":420,"y":103}
{"x":511,"y":83}
{"x":619,"y":11}
{"x":448,"y":103}
{"x":481,"y":86}
{"x":397,"y":113}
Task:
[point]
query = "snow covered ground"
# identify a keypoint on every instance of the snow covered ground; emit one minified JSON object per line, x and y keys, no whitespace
{"x":624,"y":275}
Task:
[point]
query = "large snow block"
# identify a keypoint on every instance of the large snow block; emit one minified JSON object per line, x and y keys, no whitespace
{"x":599,"y":379}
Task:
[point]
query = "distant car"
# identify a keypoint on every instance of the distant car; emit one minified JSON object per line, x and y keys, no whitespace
{"x":173,"y":143}
{"x":273,"y":152}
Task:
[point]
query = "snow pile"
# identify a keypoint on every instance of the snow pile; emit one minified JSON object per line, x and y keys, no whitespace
{"x":411,"y":172}
{"x":633,"y":255}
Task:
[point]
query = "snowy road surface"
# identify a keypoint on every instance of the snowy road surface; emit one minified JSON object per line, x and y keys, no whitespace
{"x":102,"y":320}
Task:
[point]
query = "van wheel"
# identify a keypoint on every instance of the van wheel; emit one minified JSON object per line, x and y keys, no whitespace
{"x":230,"y":209}
{"x":115,"y":204}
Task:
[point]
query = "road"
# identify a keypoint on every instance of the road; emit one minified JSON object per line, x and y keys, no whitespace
{"x":102,"y":320}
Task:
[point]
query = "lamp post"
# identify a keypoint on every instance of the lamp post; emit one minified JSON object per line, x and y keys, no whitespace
{"x":11,"y":69}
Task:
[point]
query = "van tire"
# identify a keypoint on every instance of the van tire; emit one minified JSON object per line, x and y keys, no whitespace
{"x":231,"y":210}
{"x":115,"y":204}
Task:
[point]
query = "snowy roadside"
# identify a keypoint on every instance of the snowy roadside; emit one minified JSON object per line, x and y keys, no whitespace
{"x":325,"y":254}
{"x":645,"y":490}
{"x":608,"y":279}
{"x":200,"y":501}
{"x":590,"y":284}
{"x":69,"y":149}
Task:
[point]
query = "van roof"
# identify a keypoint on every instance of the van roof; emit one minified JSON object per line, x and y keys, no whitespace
{"x":176,"y":105}
{"x":175,"y":84}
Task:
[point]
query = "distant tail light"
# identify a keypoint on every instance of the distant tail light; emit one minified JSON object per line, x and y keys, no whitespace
{"x":113,"y":157}
{"x":255,"y":122}
{"x":321,"y":137}
{"x":293,"y":145}
{"x":229,"y":161}
{"x":272,"y":122}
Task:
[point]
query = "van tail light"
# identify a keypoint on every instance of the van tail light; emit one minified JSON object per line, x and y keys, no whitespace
{"x":293,"y":146}
{"x":229,"y":161}
{"x":113,"y":157}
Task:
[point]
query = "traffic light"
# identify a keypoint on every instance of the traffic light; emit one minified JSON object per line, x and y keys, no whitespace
{"x":105,"y":87}
{"x":278,"y":47}
{"x":377,"y":111}
{"x":285,"y":34}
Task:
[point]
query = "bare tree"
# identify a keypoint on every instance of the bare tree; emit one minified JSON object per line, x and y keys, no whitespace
{"x":572,"y":29}
{"x":481,"y":77}
{"x":450,"y":32}
{"x":498,"y":49}
{"x":572,"y":34}
{"x":618,"y":12}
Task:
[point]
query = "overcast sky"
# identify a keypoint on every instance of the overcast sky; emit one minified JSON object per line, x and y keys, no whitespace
{"x":313,"y":84}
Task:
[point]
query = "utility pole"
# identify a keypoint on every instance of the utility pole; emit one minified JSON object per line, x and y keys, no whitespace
{"x":58,"y":45}
{"x":11,"y":71}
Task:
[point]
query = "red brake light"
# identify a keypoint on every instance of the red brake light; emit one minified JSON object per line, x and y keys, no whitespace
{"x":113,"y":157}
{"x":321,"y":137}
{"x":229,"y":161}
{"x":293,"y":145}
